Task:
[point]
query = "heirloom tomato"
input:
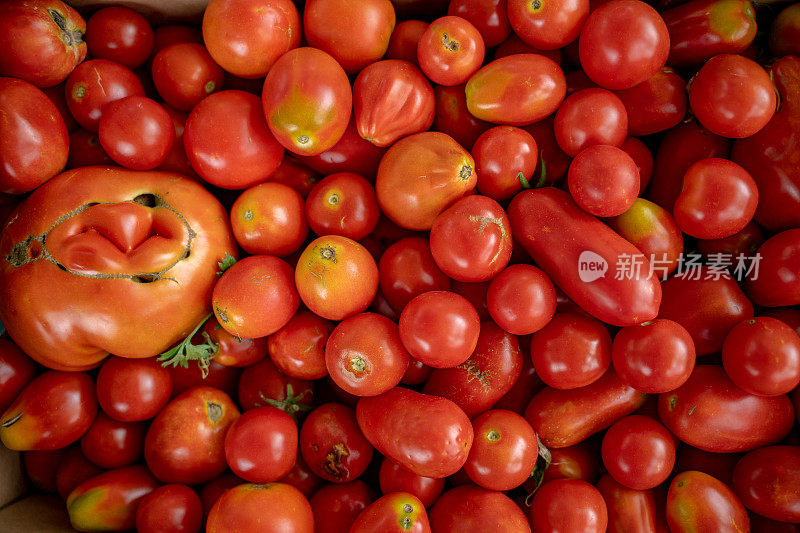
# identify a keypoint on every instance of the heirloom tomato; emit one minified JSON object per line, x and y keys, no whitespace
{"x":298,"y":348}
{"x":73,"y":469}
{"x":404,"y":40}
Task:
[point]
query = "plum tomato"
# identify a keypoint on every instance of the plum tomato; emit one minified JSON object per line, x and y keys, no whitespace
{"x":269,"y":218}
{"x":130,"y":390}
{"x":261,"y":444}
{"x":521,"y":299}
{"x":603,"y":180}
{"x":119,"y":34}
{"x":450,"y":50}
{"x":628,"y":509}
{"x":298,"y":348}
{"x":394,"y":478}
{"x":638,"y":452}
{"x":502,"y":154}
{"x":170,"y":509}
{"x":343,"y":204}
{"x":547,"y":25}
{"x":136,"y":132}
{"x":248,"y":507}
{"x":568,"y":505}
{"x":589,"y":117}
{"x":184,"y":74}
{"x":767,"y":481}
{"x":699,"y":502}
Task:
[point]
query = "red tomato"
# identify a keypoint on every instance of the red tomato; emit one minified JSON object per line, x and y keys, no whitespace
{"x":629,"y":511}
{"x":184,"y":74}
{"x":470,"y":508}
{"x":503,"y":154}
{"x":656,"y":104}
{"x":261,"y":445}
{"x":336,"y":277}
{"x":642,"y":156}
{"x":394,"y":478}
{"x":762,"y":356}
{"x":269,"y":218}
{"x":229,"y":350}
{"x":572,"y":462}
{"x":407,"y":269}
{"x":653,"y":357}
{"x":732,"y":96}
{"x":590,"y":117}
{"x":307,"y":101}
{"x":699,"y":502}
{"x":41,"y":466}
{"x":246,"y":38}
{"x":547,"y":25}
{"x":119,"y":34}
{"x":163,"y":36}
{"x":553,"y":162}
{"x":170,"y":509}
{"x":112,"y":444}
{"x":768,"y":480}
{"x":777,"y":282}
{"x":332,"y":444}
{"x":130,"y":390}
{"x":521,"y":299}
{"x":454,"y":118}
{"x":16,"y":371}
{"x":351,"y":153}
{"x":392,"y":99}
{"x":221,"y":377}
{"x":399,"y":512}
{"x":298,"y":349}
{"x":603,"y":180}
{"x":343,"y":204}
{"x":302,"y":478}
{"x":623,"y":43}
{"x":488,"y":16}
{"x":450,"y":50}
{"x":364,"y":355}
{"x":471,"y":240}
{"x":185,"y":442}
{"x":515,"y":45}
{"x":136,"y":132}
{"x":263,"y":384}
{"x":271,"y":508}
{"x":255,"y":297}
{"x":95,"y":83}
{"x":337,"y":506}
{"x":85,"y":150}
{"x":42,"y":41}
{"x":360,"y":34}
{"x":439,"y":328}
{"x":73,"y":469}
{"x":638,"y":452}
{"x":785,"y":31}
{"x":568,"y":505}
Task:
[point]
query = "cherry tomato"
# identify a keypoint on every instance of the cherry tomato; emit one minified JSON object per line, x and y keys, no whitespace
{"x":119,"y":34}
{"x":298,"y":349}
{"x":394,"y":478}
{"x":336,"y":506}
{"x":470,"y":508}
{"x":501,"y":154}
{"x":454,"y":118}
{"x":398,"y":512}
{"x":248,"y":507}
{"x":170,"y":509}
{"x":572,"y":462}
{"x":95,"y":83}
{"x":136,"y":132}
{"x":638,"y":452}
{"x":112,"y":444}
{"x":568,"y":505}
{"x":767,"y":481}
{"x":785,"y":31}
{"x":521,"y":299}
{"x":697,"y":501}
{"x":547,"y":25}
{"x":603,"y":180}
{"x":407,"y":269}
{"x":269,"y":218}
{"x":489,"y":17}
{"x":130,"y":390}
{"x":261,"y":444}
{"x":777,"y":282}
{"x":73,"y":469}
{"x":450,"y":50}
{"x":590,"y":117}
{"x":343,"y":204}
{"x":184,"y":74}
{"x":656,"y":104}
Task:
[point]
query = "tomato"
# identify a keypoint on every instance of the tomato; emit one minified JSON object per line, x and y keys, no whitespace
{"x":136,"y":132}
{"x":85,"y":150}
{"x":471,"y":508}
{"x":404,"y":40}
{"x":547,"y":25}
{"x":746,"y":242}
{"x":302,"y":478}
{"x":777,"y":282}
{"x":112,"y":444}
{"x":514,"y":45}
{"x":480,"y":381}
{"x":553,"y":162}
{"x":407,"y":269}
{"x":229,"y":350}
{"x":261,"y":445}
{"x":394,"y":478}
{"x":269,"y":218}
{"x":246,"y":38}
{"x":429,"y":435}
{"x":398,"y":512}
{"x":656,"y":104}
{"x":73,"y":469}
{"x":108,"y":501}
{"x":119,"y":34}
{"x":572,"y":462}
{"x":590,"y":117}
{"x":642,"y":156}
{"x":332,"y":444}
{"x":170,"y":509}
{"x":52,"y":411}
{"x":420,"y":176}
{"x":185,"y":442}
{"x":255,"y":297}
{"x":343,"y":204}
{"x":699,"y":502}
{"x":176,"y":160}
{"x":450,"y":50}
{"x":638,"y":452}
{"x":784,"y":32}
{"x":184,"y":74}
{"x":40,"y":467}
{"x":568,"y":505}
{"x":563,"y":418}
{"x":35,"y":142}
{"x":623,"y":43}
{"x":701,"y":29}
{"x":488,"y":16}
{"x":263,"y":384}
{"x":337,"y":506}
{"x":220,"y":377}
{"x":42,"y":41}
{"x":718,"y":465}
{"x":499,"y":93}
{"x":364,"y":355}
{"x":439,"y":328}
{"x":95,"y":83}
{"x":535,"y":213}
{"x":16,"y":371}
{"x":307,"y":101}
{"x":762,"y":356}
{"x":711,"y":413}
{"x":351,"y":153}
{"x":392,"y":99}
{"x":501,"y":154}
{"x":130,"y":390}
{"x":653,"y":357}
{"x":298,"y":349}
{"x":271,"y":508}
{"x":629,"y":511}
{"x":521,"y":299}
{"x":359,"y":36}
{"x":336,"y":277}
{"x":453,"y":118}
{"x":767,"y":481}
{"x":169,"y":34}
{"x":603,"y":180}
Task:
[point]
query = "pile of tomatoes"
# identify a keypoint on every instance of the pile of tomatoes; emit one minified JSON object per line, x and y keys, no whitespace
{"x":404,"y":265}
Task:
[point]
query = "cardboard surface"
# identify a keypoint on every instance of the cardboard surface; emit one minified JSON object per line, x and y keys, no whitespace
{"x":157,"y":11}
{"x":38,"y":513}
{"x":12,"y":477}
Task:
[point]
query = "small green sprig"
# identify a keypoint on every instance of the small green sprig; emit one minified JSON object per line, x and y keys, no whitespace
{"x":186,"y":351}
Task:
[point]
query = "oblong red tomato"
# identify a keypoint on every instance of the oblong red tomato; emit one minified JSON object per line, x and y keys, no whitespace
{"x":307,"y":101}
{"x":711,"y":413}
{"x":767,"y":481}
{"x":516,"y":90}
{"x":398,"y":512}
{"x":699,"y":502}
{"x":584,"y":257}
{"x":629,"y":510}
{"x":778,"y":282}
{"x":429,"y":435}
{"x":471,"y":508}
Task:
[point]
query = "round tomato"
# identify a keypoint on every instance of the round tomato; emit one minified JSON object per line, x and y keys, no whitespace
{"x":336,"y":506}
{"x":343,"y":204}
{"x":638,"y":452}
{"x":109,"y":443}
{"x":136,"y":132}
{"x":470,"y":508}
{"x":503,"y":154}
{"x":488,"y":16}
{"x":521,"y":299}
{"x":272,"y":508}
{"x":568,"y":505}
{"x":184,"y":74}
{"x":407,"y":269}
{"x":261,"y":445}
{"x":394,"y":478}
{"x":130,"y":390}
{"x":768,"y":480}
{"x":170,"y":509}
{"x":119,"y":34}
{"x":269,"y":218}
{"x":398,"y":512}
{"x":95,"y":83}
{"x":547,"y":25}
{"x":590,"y":117}
{"x":298,"y":348}
{"x":603,"y":180}
{"x":450,"y":50}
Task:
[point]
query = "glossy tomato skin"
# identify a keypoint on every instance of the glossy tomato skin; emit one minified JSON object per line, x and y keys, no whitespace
{"x":269,"y":218}
{"x":553,"y":162}
{"x":41,"y":466}
{"x":337,"y":506}
{"x":95,"y":83}
{"x":351,"y":153}
{"x":185,"y":442}
{"x":248,"y":506}
{"x":360,"y":34}
{"x":332,"y":444}
{"x":474,"y":508}
{"x":136,"y":132}
{"x":73,"y":469}
{"x":246,"y":38}
{"x":170,"y":509}
{"x":572,"y":462}
{"x":656,"y":104}
{"x":711,"y":413}
{"x":767,"y":482}
{"x":490,"y":17}
{"x":450,"y":50}
{"x":394,"y":478}
{"x":110,"y":444}
{"x":221,"y":377}
{"x":784,"y":32}
{"x":52,"y":411}
{"x":392,"y":99}
{"x":521,"y":299}
{"x":231,"y":350}
{"x":336,"y":277}
{"x":263,"y":384}
{"x":697,"y":501}
{"x":119,"y":34}
{"x":718,"y":465}
{"x":547,"y":25}
{"x":589,"y":117}
{"x":261,"y":445}
{"x":762,"y":356}
{"x":501,"y":154}
{"x":16,"y":371}
{"x":568,"y":505}
{"x":563,"y":418}
{"x":364,"y":355}
{"x":535,"y":213}
{"x":307,"y":101}
{"x":404,"y":40}
{"x":184,"y":73}
{"x":777,"y":283}
{"x":85,"y":150}
{"x":454,"y":118}
{"x":701,"y":29}
{"x":131,"y":390}
{"x":407,"y":269}
{"x":408,"y":199}
{"x":603,"y":180}
{"x":629,"y":510}
{"x":638,"y":452}
{"x":642,"y":156}
{"x":480,"y":381}
{"x":498,"y":92}
{"x":35,"y":142}
{"x":298,"y":349}
{"x":344,"y":204}
{"x":42,"y":40}
{"x":108,"y":501}
{"x":623,"y":43}
{"x":429,"y":435}
{"x":398,"y":512}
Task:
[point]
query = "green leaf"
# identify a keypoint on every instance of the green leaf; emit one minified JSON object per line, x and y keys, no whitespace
{"x":225,"y":264}
{"x":542,"y":463}
{"x":187,"y":351}
{"x":291,"y":404}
